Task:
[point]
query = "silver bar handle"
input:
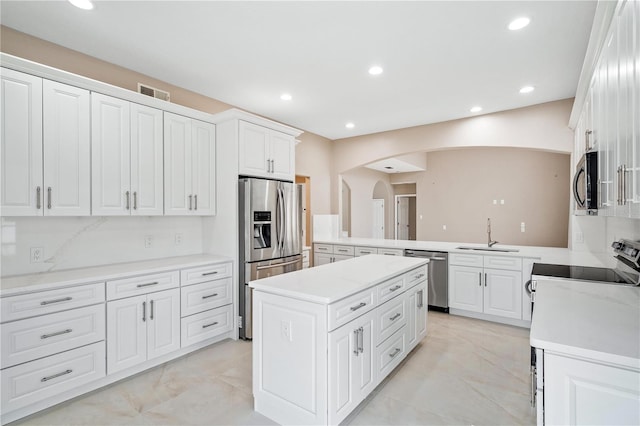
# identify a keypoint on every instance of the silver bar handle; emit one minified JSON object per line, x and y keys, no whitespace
{"x":618,"y":180}
{"x":480,"y":279}
{"x":624,"y":184}
{"x":361,"y":305}
{"x":396,"y":352}
{"x":343,"y":250}
{"x":356,"y":340}
{"x":151,"y":309}
{"x":421,"y":302}
{"x":260,"y":268}
{"x":533,"y":386}
{"x":398,"y":287}
{"x":49,"y":197}
{"x":147,"y":284}
{"x":195,"y":198}
{"x":135,"y":200}
{"x":209,"y":273}
{"x":210,"y":325}
{"x":599,"y":192}
{"x":437,"y":258}
{"x":268,"y":166}
{"x":361,"y":341}
{"x":144,"y":311}
{"x":190,"y":199}
{"x":55,"y":376}
{"x":395,"y":317}
{"x":210,"y":295}
{"x":127,"y":197}
{"x":587,"y":137}
{"x":273,"y":166}
{"x":57,"y":333}
{"x":49,"y":302}
{"x":485,"y":279}
{"x":38,"y":199}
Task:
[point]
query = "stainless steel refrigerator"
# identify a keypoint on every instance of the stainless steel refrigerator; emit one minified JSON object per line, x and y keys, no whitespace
{"x":270,"y":236}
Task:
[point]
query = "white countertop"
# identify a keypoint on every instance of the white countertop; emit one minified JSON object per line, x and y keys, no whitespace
{"x":329,"y":283}
{"x":589,"y":320}
{"x":11,"y":286}
{"x":562,"y":256}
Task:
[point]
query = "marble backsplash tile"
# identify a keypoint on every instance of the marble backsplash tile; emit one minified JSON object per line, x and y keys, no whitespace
{"x":76,"y":242}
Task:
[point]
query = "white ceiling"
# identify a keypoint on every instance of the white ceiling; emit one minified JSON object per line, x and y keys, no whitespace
{"x":439,"y":58}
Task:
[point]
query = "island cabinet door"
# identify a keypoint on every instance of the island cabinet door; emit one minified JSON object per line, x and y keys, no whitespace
{"x":351,"y":366}
{"x":417,"y":314}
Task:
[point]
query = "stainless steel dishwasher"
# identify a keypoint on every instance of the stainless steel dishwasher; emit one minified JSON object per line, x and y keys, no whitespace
{"x":438,"y":277}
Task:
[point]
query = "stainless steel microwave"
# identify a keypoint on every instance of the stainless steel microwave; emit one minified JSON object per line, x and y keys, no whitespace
{"x":585,"y":183}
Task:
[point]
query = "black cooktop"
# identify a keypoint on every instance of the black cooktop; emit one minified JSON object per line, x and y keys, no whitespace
{"x":585,"y":273}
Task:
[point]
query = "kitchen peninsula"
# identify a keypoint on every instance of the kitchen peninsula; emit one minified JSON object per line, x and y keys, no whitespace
{"x":325,"y":337}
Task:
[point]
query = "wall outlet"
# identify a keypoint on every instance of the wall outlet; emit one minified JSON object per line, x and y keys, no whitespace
{"x":495,"y":201}
{"x":178,"y":239}
{"x":37,"y":254}
{"x":444,"y":227}
{"x":285,"y":327}
{"x":522,"y":227}
{"x":579,"y":237}
{"x":502,"y":202}
{"x":148,"y":241}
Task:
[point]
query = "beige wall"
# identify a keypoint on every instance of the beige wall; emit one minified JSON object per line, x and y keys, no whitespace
{"x":362,"y":182}
{"x":313,"y":154}
{"x":459,"y":187}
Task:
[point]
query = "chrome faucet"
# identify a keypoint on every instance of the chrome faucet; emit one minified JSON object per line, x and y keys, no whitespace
{"x":489,"y":242}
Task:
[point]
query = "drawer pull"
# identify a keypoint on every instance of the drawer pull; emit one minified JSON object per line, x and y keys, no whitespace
{"x":58,"y":333}
{"x":210,"y":325}
{"x":396,"y":352}
{"x":148,"y":284}
{"x":398,"y":287}
{"x":389,"y":254}
{"x":417,"y":277}
{"x":209,"y":273}
{"x":55,"y":376}
{"x":49,"y":302}
{"x":395,"y":317}
{"x":343,"y":250}
{"x":210,"y":295}
{"x":361,"y":305}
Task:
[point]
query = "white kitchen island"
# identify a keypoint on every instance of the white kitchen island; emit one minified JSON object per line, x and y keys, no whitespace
{"x":325,"y":337}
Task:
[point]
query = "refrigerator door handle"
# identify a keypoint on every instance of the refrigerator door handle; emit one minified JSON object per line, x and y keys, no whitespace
{"x":282,"y":218}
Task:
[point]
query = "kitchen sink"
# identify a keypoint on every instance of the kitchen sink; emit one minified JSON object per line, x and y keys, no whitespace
{"x":501,"y":250}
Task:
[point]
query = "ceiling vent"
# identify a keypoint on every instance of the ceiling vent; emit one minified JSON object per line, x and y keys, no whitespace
{"x":153,"y":92}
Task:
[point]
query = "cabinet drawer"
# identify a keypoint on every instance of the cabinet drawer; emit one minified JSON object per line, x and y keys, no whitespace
{"x":34,"y":338}
{"x":127,"y":287}
{"x":391,"y":289}
{"x":37,"y":380}
{"x":201,"y":297}
{"x":466,"y":259}
{"x":363,"y":251}
{"x":499,"y":262}
{"x":391,"y":252}
{"x":206,"y":325}
{"x":343,"y":250}
{"x":391,"y":317}
{"x":205,"y":273}
{"x":416,"y":276}
{"x":391,"y":352}
{"x":46,"y":302}
{"x":352,"y":307}
{"x":323,"y":248}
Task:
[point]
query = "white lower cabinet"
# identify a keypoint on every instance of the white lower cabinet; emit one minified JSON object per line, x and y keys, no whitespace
{"x":141,"y":328}
{"x":206,"y":325}
{"x":503,"y":293}
{"x":417,"y":302}
{"x":465,"y":288}
{"x":582,"y":392}
{"x":352,"y":370}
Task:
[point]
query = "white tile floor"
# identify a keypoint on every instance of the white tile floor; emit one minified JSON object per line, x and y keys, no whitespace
{"x":465,"y":372}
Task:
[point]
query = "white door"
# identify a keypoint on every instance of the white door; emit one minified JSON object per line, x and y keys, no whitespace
{"x":282,"y":150}
{"x":110,"y":156}
{"x":253,"y":150}
{"x":364,"y":372}
{"x":126,"y":333}
{"x":465,"y":288}
{"x":178,"y":194}
{"x":146,"y":161}
{"x":503,"y":293}
{"x":21,"y":124}
{"x":67,"y":150}
{"x":163,"y":323}
{"x":422,"y":311}
{"x":377,"y":230}
{"x":321,"y":259}
{"x":402,"y":218}
{"x":203,"y":167}
{"x":417,"y":315}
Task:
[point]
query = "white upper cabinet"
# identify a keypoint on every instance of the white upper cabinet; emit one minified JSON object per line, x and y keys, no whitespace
{"x":146,"y":161}
{"x":266,"y":153}
{"x":110,"y":156}
{"x":189,"y":166}
{"x":67,"y":175}
{"x":21,"y":110}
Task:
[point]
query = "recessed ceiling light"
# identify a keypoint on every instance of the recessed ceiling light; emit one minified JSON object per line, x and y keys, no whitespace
{"x":349,"y":125}
{"x":476,"y":109}
{"x":375,"y":70}
{"x":286,"y":97}
{"x":527,"y":89}
{"x":82,"y":4}
{"x":519,"y":23}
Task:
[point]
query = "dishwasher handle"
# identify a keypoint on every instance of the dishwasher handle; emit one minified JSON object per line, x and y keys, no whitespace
{"x":437,"y":258}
